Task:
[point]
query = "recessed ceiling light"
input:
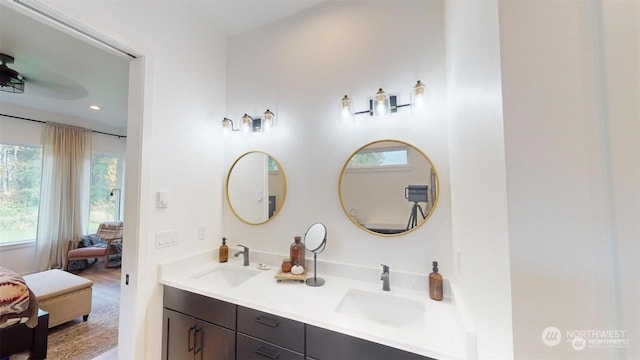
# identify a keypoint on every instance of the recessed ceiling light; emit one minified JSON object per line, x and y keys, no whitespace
{"x":94,"y":107}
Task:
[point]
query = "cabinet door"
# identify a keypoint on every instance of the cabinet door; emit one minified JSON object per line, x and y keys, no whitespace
{"x":214,"y":342}
{"x":324,"y":344}
{"x":178,"y":331}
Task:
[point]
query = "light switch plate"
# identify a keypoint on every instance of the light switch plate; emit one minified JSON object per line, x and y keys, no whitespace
{"x":162,"y":199}
{"x":202,"y":232}
{"x":166,"y":238}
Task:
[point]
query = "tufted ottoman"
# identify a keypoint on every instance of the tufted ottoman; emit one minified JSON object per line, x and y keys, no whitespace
{"x":64,"y":295}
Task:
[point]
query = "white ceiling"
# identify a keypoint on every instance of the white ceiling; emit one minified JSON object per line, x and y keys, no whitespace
{"x":66,"y":74}
{"x":234,"y":17}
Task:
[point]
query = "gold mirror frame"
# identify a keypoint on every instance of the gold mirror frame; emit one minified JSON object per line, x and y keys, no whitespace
{"x":284,"y":188}
{"x":436,"y":181}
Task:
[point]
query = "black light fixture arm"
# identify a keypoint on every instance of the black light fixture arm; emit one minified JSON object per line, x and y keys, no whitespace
{"x":393,"y":99}
{"x":229,"y":121}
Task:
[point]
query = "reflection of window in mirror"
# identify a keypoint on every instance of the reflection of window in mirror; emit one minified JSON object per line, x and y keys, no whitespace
{"x":276,"y":186}
{"x":381,"y":158}
{"x":273,"y":166}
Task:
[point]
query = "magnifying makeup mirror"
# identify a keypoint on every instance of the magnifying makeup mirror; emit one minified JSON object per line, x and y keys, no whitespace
{"x":315,"y":240}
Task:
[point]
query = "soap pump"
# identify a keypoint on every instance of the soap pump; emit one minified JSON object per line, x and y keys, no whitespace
{"x":435,"y":283}
{"x":223,"y":254}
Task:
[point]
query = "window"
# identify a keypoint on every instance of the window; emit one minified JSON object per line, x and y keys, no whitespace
{"x":273,"y":166}
{"x":105,"y":193}
{"x":379,"y":158}
{"x":20,"y":176}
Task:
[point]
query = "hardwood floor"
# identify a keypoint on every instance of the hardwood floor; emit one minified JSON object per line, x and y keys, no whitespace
{"x":80,"y":340}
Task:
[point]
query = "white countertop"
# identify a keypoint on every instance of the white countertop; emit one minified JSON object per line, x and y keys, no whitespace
{"x":441,"y":335}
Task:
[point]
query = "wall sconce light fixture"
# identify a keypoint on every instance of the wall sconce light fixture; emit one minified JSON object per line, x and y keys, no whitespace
{"x":383,"y":104}
{"x":113,"y":193}
{"x":251,"y":124}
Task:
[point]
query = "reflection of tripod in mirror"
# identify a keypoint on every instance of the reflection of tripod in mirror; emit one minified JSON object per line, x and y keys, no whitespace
{"x":413,"y":217}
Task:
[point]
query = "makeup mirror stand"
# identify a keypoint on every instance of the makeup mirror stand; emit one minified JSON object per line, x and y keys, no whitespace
{"x":315,"y":240}
{"x":315,"y":281}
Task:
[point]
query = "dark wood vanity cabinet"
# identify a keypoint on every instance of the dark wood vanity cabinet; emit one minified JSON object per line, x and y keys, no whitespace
{"x":197,"y":327}
{"x":265,"y":336}
{"x":323,"y":344}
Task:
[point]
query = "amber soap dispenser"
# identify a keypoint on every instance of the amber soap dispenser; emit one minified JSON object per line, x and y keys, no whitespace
{"x":296,"y":252}
{"x":223,"y":254}
{"x":435,"y":283}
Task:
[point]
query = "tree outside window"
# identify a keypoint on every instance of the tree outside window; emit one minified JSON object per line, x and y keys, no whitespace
{"x":20,"y":176}
{"x":379,"y":158}
{"x":104,"y":194}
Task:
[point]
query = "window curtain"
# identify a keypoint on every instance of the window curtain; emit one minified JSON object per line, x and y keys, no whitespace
{"x":66,"y":167}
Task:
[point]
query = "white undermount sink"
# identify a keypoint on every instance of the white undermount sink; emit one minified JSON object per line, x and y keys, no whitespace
{"x":381,"y":308}
{"x":227,"y":275}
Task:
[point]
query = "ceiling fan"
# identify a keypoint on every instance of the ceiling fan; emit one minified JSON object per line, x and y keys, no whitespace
{"x":41,"y":82}
{"x":10,"y":80}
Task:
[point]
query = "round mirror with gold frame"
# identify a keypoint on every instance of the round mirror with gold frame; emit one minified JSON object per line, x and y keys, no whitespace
{"x":388,"y":188}
{"x":256,"y":187}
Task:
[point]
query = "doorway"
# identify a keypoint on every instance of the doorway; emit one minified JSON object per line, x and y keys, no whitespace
{"x":126,"y":207}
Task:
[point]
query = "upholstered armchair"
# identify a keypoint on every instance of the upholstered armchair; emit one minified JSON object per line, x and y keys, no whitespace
{"x":109,"y":232}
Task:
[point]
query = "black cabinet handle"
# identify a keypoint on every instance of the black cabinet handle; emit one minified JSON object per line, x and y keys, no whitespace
{"x":267,"y":320}
{"x":195,"y":341}
{"x":266,"y":352}
{"x":189,"y":346}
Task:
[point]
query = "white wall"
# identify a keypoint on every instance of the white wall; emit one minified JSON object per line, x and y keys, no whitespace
{"x":478,"y":193}
{"x":300,"y":68}
{"x":621,"y":53}
{"x":184,"y":78}
{"x":570,"y":86}
{"x":620,"y":57}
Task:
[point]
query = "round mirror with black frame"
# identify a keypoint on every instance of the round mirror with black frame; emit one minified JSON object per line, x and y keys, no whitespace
{"x":256,"y":187}
{"x":388,"y":188}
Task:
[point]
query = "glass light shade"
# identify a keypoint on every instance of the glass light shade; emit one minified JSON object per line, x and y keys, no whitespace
{"x":226,"y":125}
{"x":381,"y":105}
{"x":268,"y":120}
{"x":346,"y":111}
{"x":419,"y":98}
{"x":247,"y":123}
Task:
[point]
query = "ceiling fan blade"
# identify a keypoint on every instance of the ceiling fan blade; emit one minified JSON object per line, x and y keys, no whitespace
{"x":55,"y":90}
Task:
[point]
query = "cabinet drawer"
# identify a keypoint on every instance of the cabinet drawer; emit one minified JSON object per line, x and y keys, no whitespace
{"x":202,"y":307}
{"x":252,"y":348}
{"x":274,"y":329}
{"x":323,"y":344}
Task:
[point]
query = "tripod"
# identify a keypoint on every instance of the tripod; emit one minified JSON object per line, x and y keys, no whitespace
{"x":413,"y":217}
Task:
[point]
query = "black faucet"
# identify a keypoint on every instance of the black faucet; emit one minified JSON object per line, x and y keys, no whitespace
{"x":385,"y":278}
{"x":245,"y":255}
